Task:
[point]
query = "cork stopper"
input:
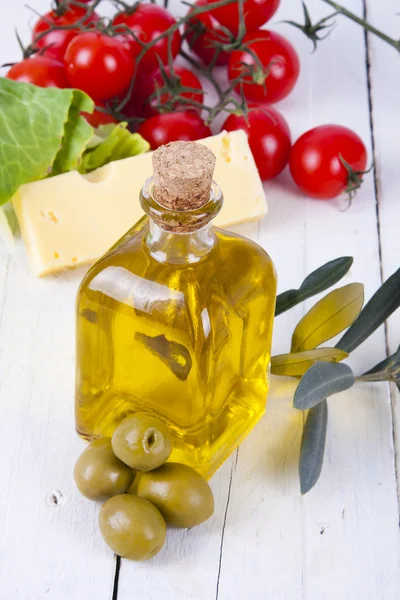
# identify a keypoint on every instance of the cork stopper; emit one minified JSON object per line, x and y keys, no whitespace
{"x":183,"y":174}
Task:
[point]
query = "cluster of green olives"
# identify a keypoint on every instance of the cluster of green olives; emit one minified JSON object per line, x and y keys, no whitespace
{"x":143,"y":493}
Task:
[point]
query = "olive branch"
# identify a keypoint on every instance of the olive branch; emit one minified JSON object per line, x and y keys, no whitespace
{"x":321,"y":373}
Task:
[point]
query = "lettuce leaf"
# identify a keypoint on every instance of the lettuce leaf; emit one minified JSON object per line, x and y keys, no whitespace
{"x":111,"y":142}
{"x":77,"y":134}
{"x":41,"y":133}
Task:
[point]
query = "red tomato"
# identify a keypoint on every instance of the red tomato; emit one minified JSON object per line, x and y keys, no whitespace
{"x":147,"y":22}
{"x":256,"y":13}
{"x":170,"y":127}
{"x":201,"y":33}
{"x":39,"y":70}
{"x":100,"y":65}
{"x":55,"y":43}
{"x":269,"y":138}
{"x":315,"y":160}
{"x":144,"y":106}
{"x":279,"y":70}
{"x":97,"y":117}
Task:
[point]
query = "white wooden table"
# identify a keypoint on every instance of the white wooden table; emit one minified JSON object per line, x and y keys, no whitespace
{"x":265,"y":541}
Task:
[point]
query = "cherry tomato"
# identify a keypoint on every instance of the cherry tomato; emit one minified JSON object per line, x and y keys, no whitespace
{"x":315,"y":160}
{"x":98,"y":117}
{"x":148,"y":21}
{"x":100,"y":65}
{"x":170,"y":127}
{"x":41,"y":71}
{"x":55,"y":43}
{"x":145,"y":106}
{"x":201,"y":33}
{"x":256,"y":13}
{"x":275,"y":77}
{"x":269,"y":138}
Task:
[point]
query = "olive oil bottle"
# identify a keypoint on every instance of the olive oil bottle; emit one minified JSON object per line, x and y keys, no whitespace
{"x":176,"y":319}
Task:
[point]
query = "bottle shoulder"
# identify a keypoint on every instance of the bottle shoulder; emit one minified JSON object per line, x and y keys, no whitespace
{"x":235,"y":262}
{"x":238,"y":250}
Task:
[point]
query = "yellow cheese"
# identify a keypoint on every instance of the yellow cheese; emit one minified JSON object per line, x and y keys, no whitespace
{"x":73,"y":219}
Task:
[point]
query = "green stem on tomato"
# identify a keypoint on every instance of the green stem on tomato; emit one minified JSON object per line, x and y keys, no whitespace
{"x":79,"y":24}
{"x":197,"y":10}
{"x":226,"y":100}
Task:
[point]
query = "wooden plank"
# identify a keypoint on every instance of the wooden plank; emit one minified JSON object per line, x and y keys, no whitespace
{"x":384,"y":70}
{"x":188,"y":567}
{"x":49,"y":542}
{"x":330,"y":543}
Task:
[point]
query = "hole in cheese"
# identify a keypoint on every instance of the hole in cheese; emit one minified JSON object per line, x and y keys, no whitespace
{"x":101,"y":174}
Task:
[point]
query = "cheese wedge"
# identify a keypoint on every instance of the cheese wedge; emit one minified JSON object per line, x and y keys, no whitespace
{"x":73,"y":219}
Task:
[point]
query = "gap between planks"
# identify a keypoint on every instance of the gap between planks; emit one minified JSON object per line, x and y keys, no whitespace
{"x":392,"y":390}
{"x":221,"y":549}
{"x":116,"y":577}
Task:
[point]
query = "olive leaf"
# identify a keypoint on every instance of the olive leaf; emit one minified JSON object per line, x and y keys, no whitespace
{"x":296,"y":364}
{"x":318,"y":281}
{"x":336,"y":311}
{"x":382,"y":304}
{"x":321,"y":381}
{"x":176,"y":356}
{"x":313,"y":446}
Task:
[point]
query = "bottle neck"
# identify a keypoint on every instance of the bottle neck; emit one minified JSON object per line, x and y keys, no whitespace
{"x":180,"y":237}
{"x":179,"y":248}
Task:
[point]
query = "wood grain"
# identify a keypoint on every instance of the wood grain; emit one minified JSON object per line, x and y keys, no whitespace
{"x":265,"y":541}
{"x":384,"y":70}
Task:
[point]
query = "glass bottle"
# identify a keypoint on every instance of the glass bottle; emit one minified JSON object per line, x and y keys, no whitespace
{"x":176,"y":319}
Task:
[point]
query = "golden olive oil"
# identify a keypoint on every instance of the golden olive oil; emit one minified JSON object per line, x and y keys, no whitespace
{"x":190,"y":343}
{"x":167,"y":327}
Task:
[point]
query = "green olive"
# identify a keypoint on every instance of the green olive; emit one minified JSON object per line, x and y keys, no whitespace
{"x":99,"y":474}
{"x":132,"y":527}
{"x":142,"y":441}
{"x":181,"y":495}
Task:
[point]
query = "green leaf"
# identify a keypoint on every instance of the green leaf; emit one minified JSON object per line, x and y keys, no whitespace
{"x":77,"y":134}
{"x":296,"y":364}
{"x":8,"y":225}
{"x":32,"y":131}
{"x":112,"y":142}
{"x":318,"y":281}
{"x":336,"y":311}
{"x":313,"y":446}
{"x":382,"y":304}
{"x":321,"y":381}
{"x":174,"y":355}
